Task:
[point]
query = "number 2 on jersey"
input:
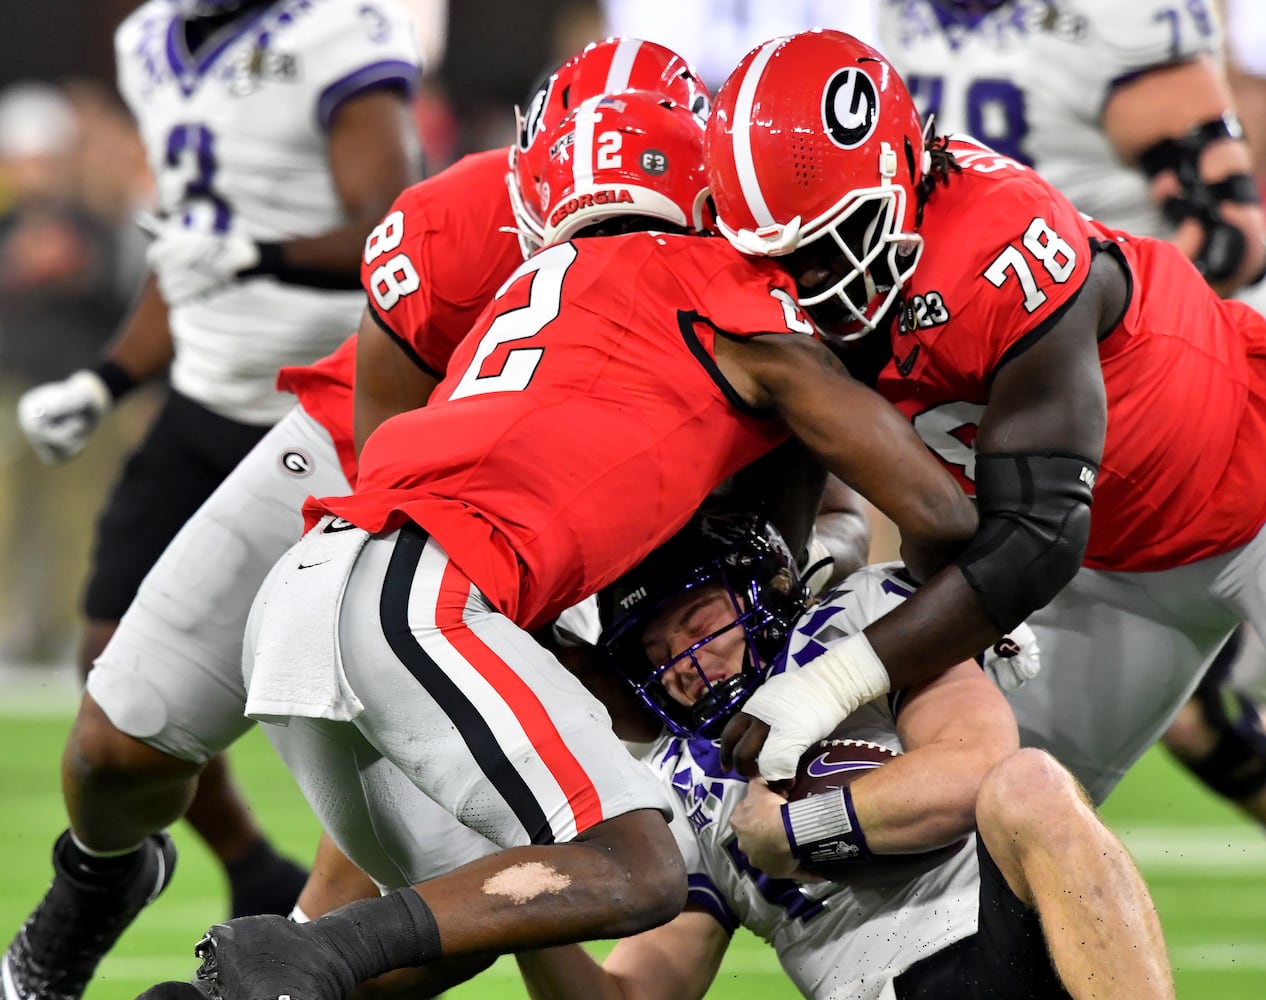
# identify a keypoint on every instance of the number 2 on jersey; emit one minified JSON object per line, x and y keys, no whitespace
{"x":546,"y":271}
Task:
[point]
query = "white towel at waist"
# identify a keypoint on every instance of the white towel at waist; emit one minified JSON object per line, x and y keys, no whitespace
{"x":293,"y":667}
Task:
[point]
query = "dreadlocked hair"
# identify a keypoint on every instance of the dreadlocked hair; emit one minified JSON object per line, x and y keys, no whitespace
{"x":942,"y":167}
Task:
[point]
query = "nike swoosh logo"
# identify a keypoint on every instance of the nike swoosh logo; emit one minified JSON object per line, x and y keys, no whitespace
{"x":819,"y":767}
{"x":319,"y":562}
{"x":338,"y":524}
{"x":906,"y":364}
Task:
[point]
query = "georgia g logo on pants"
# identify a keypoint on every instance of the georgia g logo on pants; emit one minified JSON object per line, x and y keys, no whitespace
{"x":850,"y":107}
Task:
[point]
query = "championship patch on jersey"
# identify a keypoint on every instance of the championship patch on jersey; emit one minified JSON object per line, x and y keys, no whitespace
{"x":260,"y":64}
{"x":922,"y":312}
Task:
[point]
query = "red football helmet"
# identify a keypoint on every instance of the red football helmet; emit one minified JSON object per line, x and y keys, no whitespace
{"x":815,"y":135}
{"x":631,"y":153}
{"x":605,"y":67}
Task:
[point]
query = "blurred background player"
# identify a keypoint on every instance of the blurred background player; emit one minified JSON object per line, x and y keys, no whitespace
{"x":1138,"y":128}
{"x":1245,"y":34}
{"x":278,"y":133}
{"x":71,"y":172}
{"x":696,"y":629}
{"x":715,"y":34}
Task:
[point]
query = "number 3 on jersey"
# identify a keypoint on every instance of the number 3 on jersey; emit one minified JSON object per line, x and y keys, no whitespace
{"x":546,"y":271}
{"x":1046,"y":247}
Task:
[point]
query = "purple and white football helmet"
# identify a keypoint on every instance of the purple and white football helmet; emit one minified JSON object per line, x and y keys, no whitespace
{"x":745,"y":555}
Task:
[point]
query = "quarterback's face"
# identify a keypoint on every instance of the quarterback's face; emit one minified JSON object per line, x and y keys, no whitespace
{"x":685,"y":621}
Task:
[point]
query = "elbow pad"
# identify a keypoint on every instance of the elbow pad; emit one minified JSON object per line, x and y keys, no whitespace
{"x":1223,"y":247}
{"x":1034,"y":525}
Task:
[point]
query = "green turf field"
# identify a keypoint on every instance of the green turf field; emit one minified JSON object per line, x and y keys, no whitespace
{"x":1206,"y":866}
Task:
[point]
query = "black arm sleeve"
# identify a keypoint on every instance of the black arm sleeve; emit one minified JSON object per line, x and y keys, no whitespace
{"x":1034,"y":525}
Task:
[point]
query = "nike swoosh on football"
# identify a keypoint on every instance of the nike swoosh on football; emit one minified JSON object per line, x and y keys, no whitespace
{"x":820,"y":768}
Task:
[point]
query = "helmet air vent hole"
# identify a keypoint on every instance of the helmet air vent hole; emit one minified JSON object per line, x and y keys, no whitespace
{"x":803,"y":162}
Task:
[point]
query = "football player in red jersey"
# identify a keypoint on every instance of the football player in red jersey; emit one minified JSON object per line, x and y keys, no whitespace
{"x":166,"y":694}
{"x":615,"y":381}
{"x":1041,"y":355}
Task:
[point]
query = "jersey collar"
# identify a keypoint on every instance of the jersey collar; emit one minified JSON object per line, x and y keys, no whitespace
{"x":190,"y":67}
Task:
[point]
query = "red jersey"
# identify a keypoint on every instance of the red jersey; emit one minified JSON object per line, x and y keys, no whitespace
{"x":430,"y":267}
{"x":1181,"y":477}
{"x":582,"y":421}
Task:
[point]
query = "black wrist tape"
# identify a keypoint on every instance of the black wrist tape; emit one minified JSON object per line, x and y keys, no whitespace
{"x":374,"y":936}
{"x":273,"y":264}
{"x":118,"y":381}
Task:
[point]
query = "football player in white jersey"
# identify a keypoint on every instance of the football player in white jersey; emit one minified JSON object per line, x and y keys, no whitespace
{"x":1122,"y":104}
{"x":715,"y":34}
{"x":279,"y":132}
{"x":1245,"y":22}
{"x":696,"y":629}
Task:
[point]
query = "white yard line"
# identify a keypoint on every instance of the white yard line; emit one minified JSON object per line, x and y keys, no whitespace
{"x":1222,"y":956}
{"x":1205,"y":849}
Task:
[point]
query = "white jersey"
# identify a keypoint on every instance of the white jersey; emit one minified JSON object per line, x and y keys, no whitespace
{"x":237,"y":140}
{"x":714,"y":35}
{"x":1031,"y":79}
{"x":832,"y":941}
{"x":1246,"y":35}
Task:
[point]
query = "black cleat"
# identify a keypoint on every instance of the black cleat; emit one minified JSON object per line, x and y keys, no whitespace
{"x":264,"y":882}
{"x":59,"y":947}
{"x":267,"y":958}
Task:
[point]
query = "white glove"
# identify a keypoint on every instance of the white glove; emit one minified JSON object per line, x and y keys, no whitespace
{"x":57,"y":417}
{"x":1013,"y":659}
{"x":189,"y":264}
{"x":804,"y":706}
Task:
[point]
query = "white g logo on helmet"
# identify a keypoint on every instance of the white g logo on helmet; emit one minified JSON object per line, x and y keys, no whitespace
{"x":850,"y":107}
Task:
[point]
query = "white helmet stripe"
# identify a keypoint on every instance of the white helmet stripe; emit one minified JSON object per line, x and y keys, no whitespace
{"x":582,"y":143}
{"x":741,"y":131}
{"x":626,"y":51}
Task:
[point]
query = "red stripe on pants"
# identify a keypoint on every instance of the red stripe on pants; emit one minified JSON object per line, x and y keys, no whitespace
{"x":450,"y":609}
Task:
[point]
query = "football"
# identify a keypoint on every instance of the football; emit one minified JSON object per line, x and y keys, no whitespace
{"x":834,"y":763}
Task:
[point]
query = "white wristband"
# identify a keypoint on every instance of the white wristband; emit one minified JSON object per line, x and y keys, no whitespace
{"x":804,"y":706}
